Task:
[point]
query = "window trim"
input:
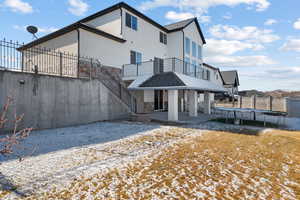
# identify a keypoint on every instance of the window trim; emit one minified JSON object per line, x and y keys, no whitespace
{"x":194,"y":49}
{"x":129,"y":21}
{"x":187,"y":46}
{"x":135,"y":55}
{"x":163,"y":38}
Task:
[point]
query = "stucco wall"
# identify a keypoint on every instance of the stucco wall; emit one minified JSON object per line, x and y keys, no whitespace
{"x":109,"y":52}
{"x":63,"y":43}
{"x":50,"y":102}
{"x":110,"y":23}
{"x":145,"y":40}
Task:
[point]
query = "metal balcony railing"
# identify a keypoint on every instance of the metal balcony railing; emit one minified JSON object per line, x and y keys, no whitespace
{"x":166,"y":65}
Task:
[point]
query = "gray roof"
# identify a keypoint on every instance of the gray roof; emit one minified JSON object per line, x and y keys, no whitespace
{"x":166,"y":79}
{"x":230,"y":77}
{"x":179,"y":25}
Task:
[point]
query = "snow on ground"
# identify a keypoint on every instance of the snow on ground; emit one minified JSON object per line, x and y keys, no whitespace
{"x":146,"y":161}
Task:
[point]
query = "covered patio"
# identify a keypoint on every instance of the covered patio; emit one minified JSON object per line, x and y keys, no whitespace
{"x":173,"y":84}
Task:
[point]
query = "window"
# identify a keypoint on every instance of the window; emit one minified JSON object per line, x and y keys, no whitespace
{"x":206,"y":74}
{"x":135,"y":57}
{"x":199,"y":52}
{"x":163,"y":37}
{"x":187,"y":46}
{"x":194,"y":49}
{"x":131,"y":21}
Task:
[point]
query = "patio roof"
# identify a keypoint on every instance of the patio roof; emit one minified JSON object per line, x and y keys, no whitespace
{"x":174,"y":81}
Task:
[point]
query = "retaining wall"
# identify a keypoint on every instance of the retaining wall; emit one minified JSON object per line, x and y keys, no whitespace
{"x":51,"y":102}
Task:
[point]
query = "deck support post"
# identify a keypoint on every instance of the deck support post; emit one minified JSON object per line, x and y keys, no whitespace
{"x":173,"y":105}
{"x":193,"y":107}
{"x":207,"y":103}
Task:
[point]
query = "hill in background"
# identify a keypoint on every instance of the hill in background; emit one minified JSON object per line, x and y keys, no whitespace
{"x":275,"y":93}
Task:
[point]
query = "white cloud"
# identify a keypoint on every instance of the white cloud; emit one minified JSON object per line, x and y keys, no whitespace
{"x":18,"y":6}
{"x":291,"y":45}
{"x":77,"y":7}
{"x":40,"y":29}
{"x":174,"y":16}
{"x":240,"y":61}
{"x":250,"y":33}
{"x":221,"y":53}
{"x":227,"y":16}
{"x":270,"y":22}
{"x":178,"y":16}
{"x":201,"y":6}
{"x":297,"y":24}
{"x":228,"y":47}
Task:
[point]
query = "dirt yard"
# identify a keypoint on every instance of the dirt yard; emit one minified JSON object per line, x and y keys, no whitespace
{"x":198,"y":162}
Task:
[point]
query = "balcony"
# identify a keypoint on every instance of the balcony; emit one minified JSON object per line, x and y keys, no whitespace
{"x":149,"y":68}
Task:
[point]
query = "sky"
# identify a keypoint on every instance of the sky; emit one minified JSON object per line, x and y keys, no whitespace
{"x":259,"y":38}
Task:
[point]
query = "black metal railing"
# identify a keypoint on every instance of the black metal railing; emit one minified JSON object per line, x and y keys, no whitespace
{"x":56,"y":63}
{"x":167,"y":65}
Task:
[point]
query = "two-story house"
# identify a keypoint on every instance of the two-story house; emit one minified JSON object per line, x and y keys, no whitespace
{"x":162,"y":65}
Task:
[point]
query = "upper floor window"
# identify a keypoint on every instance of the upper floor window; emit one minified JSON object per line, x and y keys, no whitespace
{"x":135,"y":57}
{"x":163,"y":37}
{"x":187,"y":45}
{"x":199,"y":52}
{"x":206,"y":74}
{"x":131,"y":21}
{"x":194,"y":49}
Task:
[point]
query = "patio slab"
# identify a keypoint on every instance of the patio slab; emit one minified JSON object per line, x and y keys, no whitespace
{"x":183,"y":117}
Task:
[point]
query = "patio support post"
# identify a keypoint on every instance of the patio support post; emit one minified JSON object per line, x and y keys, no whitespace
{"x":173,"y":105}
{"x":207,"y":104}
{"x":193,"y":103}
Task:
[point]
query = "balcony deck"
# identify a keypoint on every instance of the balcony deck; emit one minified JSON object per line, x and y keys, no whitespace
{"x":149,"y":68}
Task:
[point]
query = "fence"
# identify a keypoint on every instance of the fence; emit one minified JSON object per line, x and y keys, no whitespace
{"x":165,"y":65}
{"x":254,"y":102}
{"x":56,"y":63}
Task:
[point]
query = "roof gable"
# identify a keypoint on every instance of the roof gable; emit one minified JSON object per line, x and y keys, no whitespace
{"x":230,"y":77}
{"x":178,"y":26}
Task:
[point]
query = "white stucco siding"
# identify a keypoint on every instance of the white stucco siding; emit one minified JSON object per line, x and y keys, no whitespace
{"x":64,"y":43}
{"x":144,"y":40}
{"x":110,"y":23}
{"x":175,"y":45}
{"x":192,"y":33}
{"x":108,"y":52}
{"x":49,"y":61}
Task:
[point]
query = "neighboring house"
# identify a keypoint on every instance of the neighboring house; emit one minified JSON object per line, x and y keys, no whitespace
{"x":162,"y":65}
{"x":231,"y":80}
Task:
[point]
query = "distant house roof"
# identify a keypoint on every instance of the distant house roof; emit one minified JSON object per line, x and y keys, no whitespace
{"x":230,"y":77}
{"x":101,"y":13}
{"x":216,"y":69}
{"x":183,"y":24}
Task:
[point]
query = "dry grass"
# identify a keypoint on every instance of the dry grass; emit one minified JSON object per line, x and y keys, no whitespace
{"x":220,"y":165}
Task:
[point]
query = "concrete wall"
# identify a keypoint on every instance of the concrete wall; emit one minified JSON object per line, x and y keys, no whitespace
{"x":50,"y":102}
{"x":293,"y":107}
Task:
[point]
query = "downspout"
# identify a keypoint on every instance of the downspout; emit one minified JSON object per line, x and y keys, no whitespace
{"x":121,"y":13}
{"x":78,"y":51}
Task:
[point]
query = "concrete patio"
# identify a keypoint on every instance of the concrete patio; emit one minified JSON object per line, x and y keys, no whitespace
{"x":183,"y":117}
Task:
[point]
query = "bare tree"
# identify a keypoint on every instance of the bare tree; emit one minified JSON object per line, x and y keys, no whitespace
{"x":9,"y":142}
